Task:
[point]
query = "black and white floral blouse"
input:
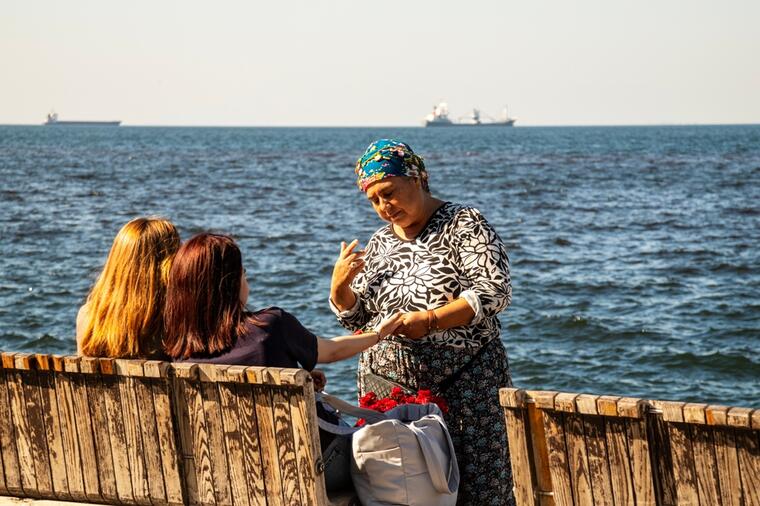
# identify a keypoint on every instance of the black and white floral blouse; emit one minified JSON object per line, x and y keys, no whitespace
{"x":457,"y":255}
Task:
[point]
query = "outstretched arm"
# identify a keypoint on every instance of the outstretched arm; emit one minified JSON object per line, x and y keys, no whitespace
{"x":342,"y":347}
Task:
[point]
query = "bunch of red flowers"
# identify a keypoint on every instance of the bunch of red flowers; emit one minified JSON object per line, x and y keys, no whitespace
{"x":398,"y":397}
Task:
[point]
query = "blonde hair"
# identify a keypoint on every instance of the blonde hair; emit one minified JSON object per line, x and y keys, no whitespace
{"x":125,"y":306}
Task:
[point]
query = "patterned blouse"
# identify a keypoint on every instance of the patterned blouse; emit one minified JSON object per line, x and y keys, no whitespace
{"x":457,"y":254}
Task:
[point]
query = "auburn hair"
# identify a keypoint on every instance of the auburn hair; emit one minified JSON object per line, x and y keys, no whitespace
{"x":203,"y":314}
{"x":124,"y":310}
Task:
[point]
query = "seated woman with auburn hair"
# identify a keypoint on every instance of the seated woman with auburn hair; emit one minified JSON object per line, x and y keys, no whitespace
{"x":206,"y":320}
{"x":123,"y":314}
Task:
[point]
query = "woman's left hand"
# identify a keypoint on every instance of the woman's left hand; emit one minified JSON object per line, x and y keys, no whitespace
{"x":414,"y":325}
{"x":320,"y":380}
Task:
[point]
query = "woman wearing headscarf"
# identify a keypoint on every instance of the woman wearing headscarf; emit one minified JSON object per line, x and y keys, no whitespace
{"x":446,"y":269}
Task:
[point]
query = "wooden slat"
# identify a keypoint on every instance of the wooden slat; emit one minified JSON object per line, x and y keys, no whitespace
{"x":233,"y":441}
{"x":755,"y":419}
{"x":204,"y":481}
{"x":251,"y":448}
{"x":127,"y":371}
{"x":30,"y":381}
{"x":52,"y":426}
{"x":264,"y":404}
{"x":170,"y":456}
{"x":577,"y":459}
{"x":606,"y":405}
{"x":620,"y":465}
{"x":517,"y":437}
{"x":641,"y":466}
{"x":185,"y":441}
{"x":586,"y":404}
{"x":11,"y":467}
{"x":301,"y":402}
{"x":511,"y":398}
{"x":99,"y":416}
{"x":749,"y":465}
{"x":149,"y":438}
{"x":683,"y":464}
{"x":215,"y":434}
{"x":20,"y":421}
{"x":716,"y":415}
{"x":705,"y":466}
{"x":694,"y":413}
{"x":598,"y":460}
{"x":285,"y":444}
{"x":68,"y":421}
{"x":739,"y":417}
{"x":565,"y":402}
{"x":83,"y":424}
{"x":543,"y":399}
{"x":117,"y":433}
{"x":552,"y":430}
{"x":727,"y":462}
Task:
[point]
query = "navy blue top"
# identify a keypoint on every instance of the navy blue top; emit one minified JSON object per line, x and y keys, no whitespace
{"x":273,"y":338}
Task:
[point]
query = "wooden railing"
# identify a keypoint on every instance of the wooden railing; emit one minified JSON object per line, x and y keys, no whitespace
{"x":150,"y":432}
{"x":576,"y":449}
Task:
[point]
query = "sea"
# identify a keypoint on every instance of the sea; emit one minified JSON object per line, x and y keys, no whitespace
{"x":635,"y":251}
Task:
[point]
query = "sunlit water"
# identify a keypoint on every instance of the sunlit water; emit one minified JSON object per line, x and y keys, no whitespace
{"x":635,"y":251}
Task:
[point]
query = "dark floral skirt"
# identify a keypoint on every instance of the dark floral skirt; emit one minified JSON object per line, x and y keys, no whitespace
{"x":475,"y":420}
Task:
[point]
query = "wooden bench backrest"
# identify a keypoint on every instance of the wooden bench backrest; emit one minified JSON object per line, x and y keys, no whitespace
{"x":576,"y":449}
{"x":150,"y":432}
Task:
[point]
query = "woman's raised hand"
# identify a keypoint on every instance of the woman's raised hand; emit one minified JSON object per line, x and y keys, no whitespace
{"x":346,"y":268}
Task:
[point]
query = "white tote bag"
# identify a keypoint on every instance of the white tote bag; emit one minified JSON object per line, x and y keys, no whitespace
{"x":403,"y":457}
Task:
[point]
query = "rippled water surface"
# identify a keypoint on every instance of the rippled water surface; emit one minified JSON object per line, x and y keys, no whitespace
{"x":635,"y":259}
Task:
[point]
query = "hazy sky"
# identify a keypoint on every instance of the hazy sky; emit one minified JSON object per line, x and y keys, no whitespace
{"x":354,"y":62}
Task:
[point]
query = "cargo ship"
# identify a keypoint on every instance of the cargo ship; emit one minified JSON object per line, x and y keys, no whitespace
{"x":439,"y":117}
{"x":52,"y":120}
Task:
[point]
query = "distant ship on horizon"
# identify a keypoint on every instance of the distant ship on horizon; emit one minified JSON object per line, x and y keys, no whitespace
{"x":52,"y":120}
{"x":439,"y":117}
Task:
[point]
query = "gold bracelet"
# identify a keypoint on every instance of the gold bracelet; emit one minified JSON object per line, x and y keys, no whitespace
{"x":432,"y":320}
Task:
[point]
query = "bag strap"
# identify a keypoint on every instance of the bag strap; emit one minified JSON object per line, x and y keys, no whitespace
{"x":444,"y":481}
{"x":344,"y":407}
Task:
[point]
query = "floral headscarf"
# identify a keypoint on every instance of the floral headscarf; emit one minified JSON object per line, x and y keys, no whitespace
{"x":386,"y":158}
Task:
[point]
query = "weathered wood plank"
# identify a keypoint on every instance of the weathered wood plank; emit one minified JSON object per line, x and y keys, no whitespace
{"x":127,"y":372}
{"x":116,"y":432}
{"x":511,"y":398}
{"x":215,"y":434}
{"x":705,"y":466}
{"x":68,"y":421}
{"x":641,"y":465}
{"x":553,"y":432}
{"x":83,"y":424}
{"x":285,"y":444}
{"x":170,"y":456}
{"x":565,"y":402}
{"x":598,"y":459}
{"x":606,"y":405}
{"x":200,"y":442}
{"x":20,"y":422}
{"x":517,"y":437}
{"x":683,"y":464}
{"x":739,"y":417}
{"x":11,"y":467}
{"x":234,"y":443}
{"x":727,"y":462}
{"x":620,"y":465}
{"x":694,"y":413}
{"x":34,"y":409}
{"x":99,"y":416}
{"x":251,"y":450}
{"x":181,"y":418}
{"x":749,"y":465}
{"x":578,"y":459}
{"x":149,"y":437}
{"x":300,"y":400}
{"x":52,"y":427}
{"x":264,"y":406}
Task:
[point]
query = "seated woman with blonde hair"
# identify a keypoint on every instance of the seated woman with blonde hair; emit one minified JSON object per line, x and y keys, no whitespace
{"x":123,"y":314}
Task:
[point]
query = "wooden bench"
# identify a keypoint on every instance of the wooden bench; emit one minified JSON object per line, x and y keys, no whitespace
{"x":576,"y":449}
{"x":151,"y":432}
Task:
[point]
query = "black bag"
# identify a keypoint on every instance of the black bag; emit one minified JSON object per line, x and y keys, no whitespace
{"x":336,"y":452}
{"x":381,"y":385}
